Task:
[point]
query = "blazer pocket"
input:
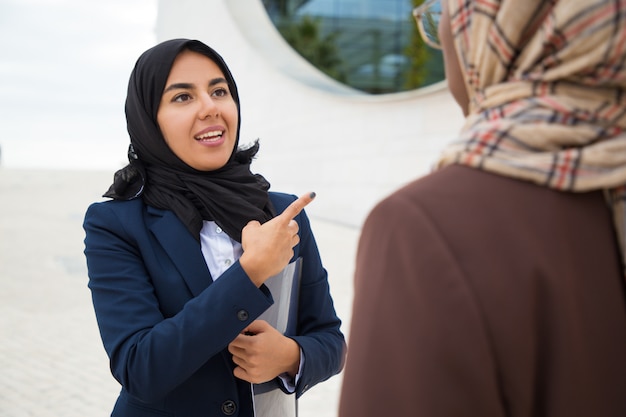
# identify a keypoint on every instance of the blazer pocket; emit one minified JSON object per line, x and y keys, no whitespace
{"x":142,"y":410}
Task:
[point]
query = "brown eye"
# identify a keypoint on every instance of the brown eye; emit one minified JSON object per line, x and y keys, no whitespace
{"x":220,"y":92}
{"x":181,"y":98}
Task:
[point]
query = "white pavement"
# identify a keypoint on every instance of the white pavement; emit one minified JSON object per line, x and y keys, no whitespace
{"x":51,"y":359}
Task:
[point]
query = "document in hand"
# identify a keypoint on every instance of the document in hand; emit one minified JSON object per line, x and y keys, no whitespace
{"x":269,"y":399}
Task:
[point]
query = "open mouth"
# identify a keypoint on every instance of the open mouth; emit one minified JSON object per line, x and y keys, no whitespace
{"x":210,"y":136}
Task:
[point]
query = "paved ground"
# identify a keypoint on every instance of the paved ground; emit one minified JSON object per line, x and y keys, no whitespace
{"x":51,"y":359}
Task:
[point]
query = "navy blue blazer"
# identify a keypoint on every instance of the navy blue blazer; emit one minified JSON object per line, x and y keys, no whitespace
{"x":166,"y":324}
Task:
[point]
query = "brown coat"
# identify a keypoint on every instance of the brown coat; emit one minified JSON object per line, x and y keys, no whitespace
{"x":482,"y":296}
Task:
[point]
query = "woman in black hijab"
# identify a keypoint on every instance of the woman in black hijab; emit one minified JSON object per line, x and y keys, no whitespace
{"x":179,"y":258}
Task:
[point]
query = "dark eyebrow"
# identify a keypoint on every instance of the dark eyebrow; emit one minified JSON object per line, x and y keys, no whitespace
{"x":216,"y":81}
{"x":188,"y":86}
{"x":178,"y":86}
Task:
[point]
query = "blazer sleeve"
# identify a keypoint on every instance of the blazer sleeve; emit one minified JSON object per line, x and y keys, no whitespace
{"x":318,"y":331}
{"x":151,"y":354}
{"x":418,"y":343}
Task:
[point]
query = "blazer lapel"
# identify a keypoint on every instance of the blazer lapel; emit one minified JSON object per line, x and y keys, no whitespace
{"x":182,"y":248}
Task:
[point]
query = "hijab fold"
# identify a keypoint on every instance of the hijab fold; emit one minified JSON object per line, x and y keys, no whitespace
{"x":547,"y":84}
{"x":231,"y":196}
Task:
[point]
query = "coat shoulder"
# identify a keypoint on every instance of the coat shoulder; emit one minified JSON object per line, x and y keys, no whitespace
{"x":281,"y":200}
{"x":122,"y":209}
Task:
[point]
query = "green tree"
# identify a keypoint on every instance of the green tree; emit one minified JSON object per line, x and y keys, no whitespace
{"x":305,"y":37}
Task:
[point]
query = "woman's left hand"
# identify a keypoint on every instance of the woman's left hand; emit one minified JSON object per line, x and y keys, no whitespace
{"x":261,"y":353}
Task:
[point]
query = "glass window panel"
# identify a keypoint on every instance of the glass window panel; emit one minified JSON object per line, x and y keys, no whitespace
{"x":371,"y":45}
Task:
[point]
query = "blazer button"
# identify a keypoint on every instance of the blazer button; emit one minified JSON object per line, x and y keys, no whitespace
{"x":229,"y":407}
{"x":242,"y":315}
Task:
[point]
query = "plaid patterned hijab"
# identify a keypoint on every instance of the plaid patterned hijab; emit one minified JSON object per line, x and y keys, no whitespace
{"x":547,"y":84}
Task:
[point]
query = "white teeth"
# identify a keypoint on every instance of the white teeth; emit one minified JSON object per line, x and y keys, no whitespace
{"x":210,"y":134}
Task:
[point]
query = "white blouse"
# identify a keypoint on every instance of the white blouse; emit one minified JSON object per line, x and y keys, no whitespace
{"x":220,"y":251}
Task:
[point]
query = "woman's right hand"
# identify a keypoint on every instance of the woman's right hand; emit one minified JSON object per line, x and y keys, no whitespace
{"x":268,"y":247}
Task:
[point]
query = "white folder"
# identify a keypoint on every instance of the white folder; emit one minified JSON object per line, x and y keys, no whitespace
{"x":269,"y":399}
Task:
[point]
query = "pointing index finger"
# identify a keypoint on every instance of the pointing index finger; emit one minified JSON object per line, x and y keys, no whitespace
{"x":296,"y":207}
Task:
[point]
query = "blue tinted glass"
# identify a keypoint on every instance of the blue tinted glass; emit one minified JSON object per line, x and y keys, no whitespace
{"x":371,"y":45}
{"x":430,"y":20}
{"x":382,"y":9}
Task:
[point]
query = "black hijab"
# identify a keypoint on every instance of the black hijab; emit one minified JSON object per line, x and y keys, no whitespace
{"x":231,"y":196}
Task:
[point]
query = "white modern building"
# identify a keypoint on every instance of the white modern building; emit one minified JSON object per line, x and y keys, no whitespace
{"x":316,"y":134}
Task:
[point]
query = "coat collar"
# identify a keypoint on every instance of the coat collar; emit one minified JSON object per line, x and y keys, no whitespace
{"x":183,"y":250}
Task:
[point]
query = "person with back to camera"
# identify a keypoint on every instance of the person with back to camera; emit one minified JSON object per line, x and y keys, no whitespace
{"x":494,"y":286}
{"x":178,"y":259}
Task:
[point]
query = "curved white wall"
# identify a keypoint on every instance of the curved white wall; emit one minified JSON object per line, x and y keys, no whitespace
{"x":349,"y":147}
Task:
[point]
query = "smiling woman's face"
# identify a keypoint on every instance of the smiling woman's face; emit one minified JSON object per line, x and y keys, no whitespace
{"x":197,"y":114}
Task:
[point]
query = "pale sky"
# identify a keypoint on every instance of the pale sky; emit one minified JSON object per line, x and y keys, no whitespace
{"x":64,"y":68}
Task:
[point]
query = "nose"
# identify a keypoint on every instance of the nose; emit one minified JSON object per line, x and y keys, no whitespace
{"x":208,"y":107}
